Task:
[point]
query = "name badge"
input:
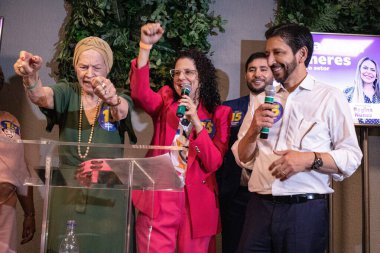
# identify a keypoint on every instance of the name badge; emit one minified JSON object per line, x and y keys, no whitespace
{"x":237,"y":116}
{"x":278,"y":111}
{"x":9,"y":128}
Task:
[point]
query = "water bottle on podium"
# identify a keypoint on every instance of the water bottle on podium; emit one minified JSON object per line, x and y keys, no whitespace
{"x":70,"y":244}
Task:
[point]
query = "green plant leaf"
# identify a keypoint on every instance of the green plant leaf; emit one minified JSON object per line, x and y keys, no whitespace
{"x":339,"y":16}
{"x":187,"y":24}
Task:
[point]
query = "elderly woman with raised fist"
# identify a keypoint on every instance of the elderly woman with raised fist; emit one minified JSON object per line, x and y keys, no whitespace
{"x":91,"y":98}
{"x":87,"y":111}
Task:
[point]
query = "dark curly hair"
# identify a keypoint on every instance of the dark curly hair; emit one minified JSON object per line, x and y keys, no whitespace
{"x":208,"y":85}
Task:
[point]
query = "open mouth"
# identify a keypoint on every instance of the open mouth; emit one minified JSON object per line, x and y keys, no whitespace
{"x":276,"y":69}
{"x":258,"y":81}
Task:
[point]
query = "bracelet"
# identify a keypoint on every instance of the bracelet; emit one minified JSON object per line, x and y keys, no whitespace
{"x":145,"y":46}
{"x":118,"y":101}
{"x":31,"y":87}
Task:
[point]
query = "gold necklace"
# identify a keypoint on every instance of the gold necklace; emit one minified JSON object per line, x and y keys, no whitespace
{"x":80,"y":127}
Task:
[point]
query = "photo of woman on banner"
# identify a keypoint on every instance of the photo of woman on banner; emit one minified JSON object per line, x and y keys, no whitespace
{"x":366,"y":89}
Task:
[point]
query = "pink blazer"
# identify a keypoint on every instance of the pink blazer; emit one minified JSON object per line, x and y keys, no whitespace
{"x":204,"y":158}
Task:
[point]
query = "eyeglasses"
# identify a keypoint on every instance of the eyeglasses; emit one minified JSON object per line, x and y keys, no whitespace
{"x":189,"y":73}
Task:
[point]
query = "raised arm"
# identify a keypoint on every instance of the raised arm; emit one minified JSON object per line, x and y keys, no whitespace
{"x":27,"y":66}
{"x":150,"y":34}
{"x":140,"y":80}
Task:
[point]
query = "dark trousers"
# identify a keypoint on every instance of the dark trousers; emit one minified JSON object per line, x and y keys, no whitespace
{"x":232,"y":212}
{"x":272,"y":227}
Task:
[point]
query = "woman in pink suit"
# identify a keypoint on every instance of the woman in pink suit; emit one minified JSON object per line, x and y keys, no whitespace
{"x":187,"y":220}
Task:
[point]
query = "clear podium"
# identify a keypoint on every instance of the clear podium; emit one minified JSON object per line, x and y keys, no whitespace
{"x":96,"y":191}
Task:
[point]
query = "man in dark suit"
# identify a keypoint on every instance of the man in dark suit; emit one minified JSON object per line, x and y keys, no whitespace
{"x":233,"y":179}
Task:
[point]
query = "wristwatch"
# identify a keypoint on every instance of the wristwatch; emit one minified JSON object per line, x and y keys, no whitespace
{"x":318,"y":162}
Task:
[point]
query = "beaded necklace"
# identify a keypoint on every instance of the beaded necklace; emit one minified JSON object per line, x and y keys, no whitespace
{"x":80,"y":127}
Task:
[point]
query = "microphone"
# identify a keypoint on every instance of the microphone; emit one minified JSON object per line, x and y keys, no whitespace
{"x":186,"y":89}
{"x":270,"y":92}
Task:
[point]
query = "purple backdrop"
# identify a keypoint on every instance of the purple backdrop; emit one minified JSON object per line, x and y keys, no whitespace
{"x":335,"y":58}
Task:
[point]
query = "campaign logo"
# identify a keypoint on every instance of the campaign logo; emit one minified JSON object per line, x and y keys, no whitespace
{"x":278,"y":111}
{"x":9,"y":128}
{"x":236,"y":118}
{"x":104,"y":120}
{"x":209,"y":126}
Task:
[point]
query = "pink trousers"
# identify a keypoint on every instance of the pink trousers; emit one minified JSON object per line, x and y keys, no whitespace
{"x":171,"y":229}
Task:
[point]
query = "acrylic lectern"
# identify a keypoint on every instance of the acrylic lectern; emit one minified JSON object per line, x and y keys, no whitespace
{"x":95,"y":191}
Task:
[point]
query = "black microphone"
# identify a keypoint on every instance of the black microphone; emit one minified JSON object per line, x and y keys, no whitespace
{"x":270,"y":92}
{"x":186,"y":89}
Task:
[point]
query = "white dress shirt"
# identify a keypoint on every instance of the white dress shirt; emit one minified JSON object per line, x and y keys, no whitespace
{"x":315,"y":117}
{"x":243,"y":129}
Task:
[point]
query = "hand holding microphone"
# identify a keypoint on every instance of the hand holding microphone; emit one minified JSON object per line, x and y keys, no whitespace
{"x":270,"y":92}
{"x":186,"y":90}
